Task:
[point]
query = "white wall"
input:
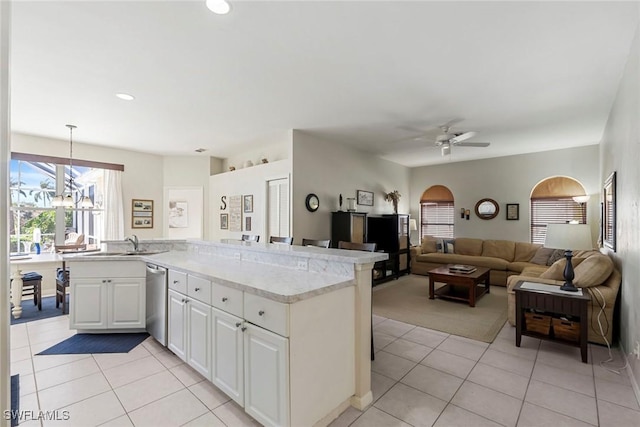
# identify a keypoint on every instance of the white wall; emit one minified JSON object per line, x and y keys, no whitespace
{"x":507,"y":180}
{"x":141,"y":179}
{"x":188,"y":171}
{"x":246,"y":181}
{"x":329,"y":169}
{"x":620,"y":152}
{"x":275,"y":146}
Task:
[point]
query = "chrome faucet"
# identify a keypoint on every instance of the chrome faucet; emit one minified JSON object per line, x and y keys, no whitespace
{"x":134,"y":240}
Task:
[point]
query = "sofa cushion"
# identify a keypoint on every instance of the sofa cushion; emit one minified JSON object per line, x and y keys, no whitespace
{"x":519,"y":266}
{"x":556,"y":271}
{"x":466,"y":246}
{"x":478,"y":261}
{"x":504,"y":249}
{"x":429,"y":246}
{"x":555,"y":256}
{"x":593,"y":271}
{"x":525,"y":251}
{"x":448,"y":246}
{"x":542,"y":256}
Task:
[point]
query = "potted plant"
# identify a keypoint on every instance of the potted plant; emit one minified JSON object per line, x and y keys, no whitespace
{"x":393,"y":197}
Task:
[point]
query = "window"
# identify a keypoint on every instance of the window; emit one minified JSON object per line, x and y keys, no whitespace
{"x":34,"y":182}
{"x":552,"y":203}
{"x":436,"y":212}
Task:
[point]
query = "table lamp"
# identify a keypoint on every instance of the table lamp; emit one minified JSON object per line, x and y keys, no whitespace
{"x":573,"y":237}
{"x":413,"y":226}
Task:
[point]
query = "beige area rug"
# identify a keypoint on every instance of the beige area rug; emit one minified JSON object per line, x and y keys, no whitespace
{"x":407,"y":300}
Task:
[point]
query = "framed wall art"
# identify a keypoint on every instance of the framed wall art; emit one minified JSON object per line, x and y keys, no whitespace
{"x":365,"y":198}
{"x":609,"y":213}
{"x":513,"y":211}
{"x":183,"y":212}
{"x":224,"y":221}
{"x":247,"y":203}
{"x":141,"y":213}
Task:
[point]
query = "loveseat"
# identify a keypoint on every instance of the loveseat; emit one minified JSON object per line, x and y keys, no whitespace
{"x":503,"y":257}
{"x":594,"y":273}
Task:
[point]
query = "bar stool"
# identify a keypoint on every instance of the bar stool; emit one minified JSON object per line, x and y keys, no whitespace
{"x":62,"y":282}
{"x":32,"y":285}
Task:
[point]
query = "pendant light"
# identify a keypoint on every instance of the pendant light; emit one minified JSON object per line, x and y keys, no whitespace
{"x":66,"y":201}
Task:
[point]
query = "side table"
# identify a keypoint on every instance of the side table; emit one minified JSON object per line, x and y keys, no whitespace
{"x":551,"y":301}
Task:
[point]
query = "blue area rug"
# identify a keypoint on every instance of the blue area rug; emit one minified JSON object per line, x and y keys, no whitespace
{"x":97,"y":343}
{"x":30,"y":311}
{"x":15,"y":399}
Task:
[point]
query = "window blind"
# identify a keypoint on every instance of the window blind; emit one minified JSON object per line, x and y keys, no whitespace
{"x":436,"y":219}
{"x":554,"y":211}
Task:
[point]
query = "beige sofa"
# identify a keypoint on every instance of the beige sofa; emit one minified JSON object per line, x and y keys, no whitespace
{"x":504,"y":257}
{"x":594,"y":273}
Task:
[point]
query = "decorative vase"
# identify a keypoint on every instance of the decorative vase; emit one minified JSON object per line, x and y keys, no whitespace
{"x":395,"y":206}
{"x":351,"y":204}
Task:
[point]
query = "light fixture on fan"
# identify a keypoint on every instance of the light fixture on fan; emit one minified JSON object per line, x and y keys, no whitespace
{"x":66,"y":200}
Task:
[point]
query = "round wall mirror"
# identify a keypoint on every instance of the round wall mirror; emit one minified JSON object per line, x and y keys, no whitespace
{"x":312,"y":202}
{"x":487,"y":209}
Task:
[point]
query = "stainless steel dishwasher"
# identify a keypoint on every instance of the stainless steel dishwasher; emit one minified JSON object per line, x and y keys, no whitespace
{"x":157,"y":303}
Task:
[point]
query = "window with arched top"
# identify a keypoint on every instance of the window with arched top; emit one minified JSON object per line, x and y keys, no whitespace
{"x":436,"y":212}
{"x":552,"y":202}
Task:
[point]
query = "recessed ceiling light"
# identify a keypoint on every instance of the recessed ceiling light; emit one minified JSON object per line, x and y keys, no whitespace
{"x":221,"y":7}
{"x":125,"y":96}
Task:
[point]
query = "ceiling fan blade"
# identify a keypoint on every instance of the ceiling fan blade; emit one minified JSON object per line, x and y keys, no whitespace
{"x":462,"y":137}
{"x":473,"y":144}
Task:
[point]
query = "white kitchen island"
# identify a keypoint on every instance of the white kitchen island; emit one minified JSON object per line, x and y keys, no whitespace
{"x":285,"y":331}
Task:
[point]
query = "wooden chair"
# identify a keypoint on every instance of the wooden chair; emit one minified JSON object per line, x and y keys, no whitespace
{"x":369,"y":247}
{"x":62,"y":283}
{"x":32,"y":285}
{"x":250,"y":237}
{"x":319,"y":243}
{"x":285,"y":240}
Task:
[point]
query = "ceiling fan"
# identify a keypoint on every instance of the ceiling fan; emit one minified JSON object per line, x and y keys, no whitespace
{"x":448,"y":139}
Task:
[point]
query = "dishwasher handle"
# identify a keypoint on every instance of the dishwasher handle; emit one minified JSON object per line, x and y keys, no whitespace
{"x":155,"y":270}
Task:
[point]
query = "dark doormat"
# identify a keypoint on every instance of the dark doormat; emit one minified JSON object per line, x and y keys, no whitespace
{"x":97,"y":343}
{"x":15,"y":399}
{"x":30,"y":311}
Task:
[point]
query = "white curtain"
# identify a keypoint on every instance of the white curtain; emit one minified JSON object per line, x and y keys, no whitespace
{"x":113,"y":221}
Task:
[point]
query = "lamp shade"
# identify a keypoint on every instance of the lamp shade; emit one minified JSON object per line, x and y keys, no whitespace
{"x":569,"y":236}
{"x":413,"y":224}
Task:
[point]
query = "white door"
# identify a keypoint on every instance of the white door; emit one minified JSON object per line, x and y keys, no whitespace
{"x":88,"y":303}
{"x":126,"y":303}
{"x":266,"y":376}
{"x":278,"y":208}
{"x":199,"y":337}
{"x":177,"y":324}
{"x":227,"y":366}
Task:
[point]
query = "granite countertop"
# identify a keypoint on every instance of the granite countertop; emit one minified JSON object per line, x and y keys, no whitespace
{"x":278,"y":283}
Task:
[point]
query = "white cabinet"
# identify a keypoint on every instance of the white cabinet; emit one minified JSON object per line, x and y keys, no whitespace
{"x":190,"y":322}
{"x":266,"y":376}
{"x":227,"y":362}
{"x":107,"y":295}
{"x":177,"y":324}
{"x":88,"y":304}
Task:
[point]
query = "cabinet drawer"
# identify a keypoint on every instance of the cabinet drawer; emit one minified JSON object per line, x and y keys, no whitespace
{"x":266,"y":313}
{"x":227,"y":299}
{"x":178,"y":281}
{"x":199,"y":289}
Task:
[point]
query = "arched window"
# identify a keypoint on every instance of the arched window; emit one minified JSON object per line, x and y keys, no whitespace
{"x":552,"y":203}
{"x":436,"y":212}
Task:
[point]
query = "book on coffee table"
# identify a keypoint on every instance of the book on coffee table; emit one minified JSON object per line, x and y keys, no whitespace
{"x":461,"y":268}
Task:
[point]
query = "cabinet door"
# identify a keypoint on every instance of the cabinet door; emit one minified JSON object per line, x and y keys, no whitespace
{"x":266,"y":376}
{"x":177,"y":324}
{"x":88,"y":303}
{"x":199,"y":337}
{"x":126,"y":303}
{"x":227,"y":366}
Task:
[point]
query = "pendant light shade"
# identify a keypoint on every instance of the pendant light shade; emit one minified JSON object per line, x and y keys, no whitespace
{"x":66,"y":200}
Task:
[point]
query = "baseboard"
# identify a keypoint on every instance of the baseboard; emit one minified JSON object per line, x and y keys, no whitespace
{"x":326,"y":420}
{"x":634,"y":382}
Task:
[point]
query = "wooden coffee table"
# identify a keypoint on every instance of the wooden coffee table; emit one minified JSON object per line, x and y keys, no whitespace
{"x":469,"y":282}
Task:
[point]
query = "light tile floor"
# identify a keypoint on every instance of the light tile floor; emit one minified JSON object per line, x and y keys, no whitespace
{"x":420,"y":377}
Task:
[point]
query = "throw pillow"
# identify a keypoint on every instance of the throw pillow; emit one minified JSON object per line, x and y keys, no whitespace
{"x":448,"y":246}
{"x":593,"y":271}
{"x":556,"y":271}
{"x":542,"y":256}
{"x":429,"y":246}
{"x":555,"y":256}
